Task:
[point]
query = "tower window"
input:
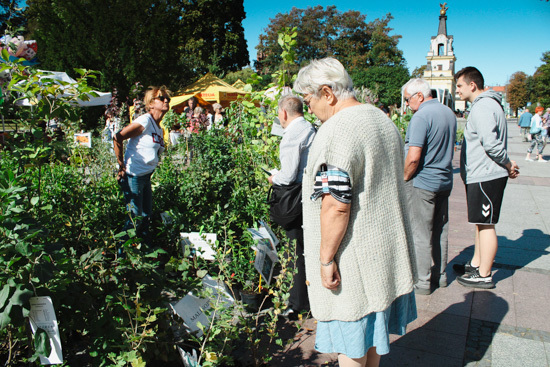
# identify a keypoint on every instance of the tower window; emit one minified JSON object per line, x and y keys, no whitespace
{"x":440,"y":50}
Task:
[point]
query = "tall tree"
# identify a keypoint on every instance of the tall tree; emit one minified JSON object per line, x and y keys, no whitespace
{"x":384,"y":81}
{"x":213,"y":35}
{"x":516,"y":91}
{"x":329,"y":32}
{"x":542,"y":80}
{"x":167,"y":42}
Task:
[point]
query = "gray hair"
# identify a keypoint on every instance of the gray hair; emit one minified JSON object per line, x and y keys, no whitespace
{"x":216,"y":106}
{"x":414,"y":86}
{"x":329,"y":72}
{"x":291,"y":104}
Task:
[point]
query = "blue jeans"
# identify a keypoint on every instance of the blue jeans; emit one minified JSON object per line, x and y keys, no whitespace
{"x":138,"y":197}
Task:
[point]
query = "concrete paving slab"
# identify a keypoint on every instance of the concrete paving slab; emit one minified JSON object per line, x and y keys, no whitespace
{"x":403,"y":356}
{"x":523,"y":258}
{"x":532,"y":285}
{"x":444,"y":322}
{"x":488,"y":306}
{"x":532,"y":240}
{"x":454,"y":300}
{"x":510,"y":350}
{"x":532,"y":313}
{"x":435,"y":342}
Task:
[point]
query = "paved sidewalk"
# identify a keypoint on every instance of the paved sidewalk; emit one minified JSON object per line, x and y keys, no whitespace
{"x":457,"y":326}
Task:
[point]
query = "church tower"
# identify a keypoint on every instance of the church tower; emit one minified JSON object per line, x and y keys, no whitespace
{"x":440,"y":69}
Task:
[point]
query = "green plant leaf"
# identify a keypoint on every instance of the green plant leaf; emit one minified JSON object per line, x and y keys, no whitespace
{"x":5,"y":318}
{"x":20,"y":296}
{"x":44,"y":271}
{"x":35,"y":200}
{"x":5,"y":54}
{"x":23,"y":248}
{"x":4,"y":294}
{"x":42,"y":343}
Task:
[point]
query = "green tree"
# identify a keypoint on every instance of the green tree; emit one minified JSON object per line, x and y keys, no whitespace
{"x":418,"y":72}
{"x":212,"y":35}
{"x":242,"y":74}
{"x":542,"y":80}
{"x":516,"y":91}
{"x":328,"y":32}
{"x":531,"y":92}
{"x":383,"y":81}
{"x":11,"y":13}
{"x":171,"y":42}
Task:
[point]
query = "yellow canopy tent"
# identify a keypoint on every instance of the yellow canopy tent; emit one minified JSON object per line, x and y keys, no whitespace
{"x":213,"y":89}
{"x":239,"y":84}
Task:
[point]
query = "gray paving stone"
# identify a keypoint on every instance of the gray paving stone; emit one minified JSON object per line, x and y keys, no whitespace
{"x":529,"y":239}
{"x":444,"y":322}
{"x":523,"y":258}
{"x":509,"y":350}
{"x":489,"y":306}
{"x":403,"y":356}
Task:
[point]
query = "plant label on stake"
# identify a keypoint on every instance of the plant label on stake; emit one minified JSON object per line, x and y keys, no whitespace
{"x":42,"y":316}
{"x":265,"y":260}
{"x":191,"y":308}
{"x":201,"y":243}
{"x":264,"y":232}
{"x":84,"y":139}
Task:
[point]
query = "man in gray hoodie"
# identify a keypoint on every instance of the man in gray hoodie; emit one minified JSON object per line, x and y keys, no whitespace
{"x":484,"y":168}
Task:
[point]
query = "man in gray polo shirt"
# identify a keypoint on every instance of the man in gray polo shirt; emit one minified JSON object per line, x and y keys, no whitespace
{"x":429,"y":147}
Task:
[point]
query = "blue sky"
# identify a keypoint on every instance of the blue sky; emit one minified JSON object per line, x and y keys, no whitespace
{"x":497,"y":37}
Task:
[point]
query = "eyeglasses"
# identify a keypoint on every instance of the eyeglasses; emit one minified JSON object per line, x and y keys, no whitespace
{"x":163,"y":99}
{"x":307,"y":100}
{"x":410,"y":97}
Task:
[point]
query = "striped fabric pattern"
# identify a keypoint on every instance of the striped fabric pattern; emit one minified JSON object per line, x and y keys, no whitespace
{"x":334,"y":181}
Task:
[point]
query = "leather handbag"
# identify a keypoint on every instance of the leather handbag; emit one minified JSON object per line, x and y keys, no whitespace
{"x":285,"y":204}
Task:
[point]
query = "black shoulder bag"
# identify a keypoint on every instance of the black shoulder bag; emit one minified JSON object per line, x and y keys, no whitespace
{"x":285,"y":204}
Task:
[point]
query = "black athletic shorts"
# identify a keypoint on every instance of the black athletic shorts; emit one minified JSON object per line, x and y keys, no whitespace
{"x":484,"y":200}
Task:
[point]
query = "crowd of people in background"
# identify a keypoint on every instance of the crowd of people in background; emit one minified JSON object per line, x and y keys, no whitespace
{"x":534,"y":129}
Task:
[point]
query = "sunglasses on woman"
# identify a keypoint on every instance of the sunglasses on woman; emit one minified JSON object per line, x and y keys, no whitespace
{"x":163,"y":99}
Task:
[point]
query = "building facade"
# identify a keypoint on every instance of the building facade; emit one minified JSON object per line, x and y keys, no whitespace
{"x":440,"y":69}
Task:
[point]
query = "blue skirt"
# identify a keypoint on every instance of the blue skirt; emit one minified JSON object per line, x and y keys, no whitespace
{"x":355,"y":338}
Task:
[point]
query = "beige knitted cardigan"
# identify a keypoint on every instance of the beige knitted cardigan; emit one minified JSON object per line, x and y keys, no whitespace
{"x":376,"y":257}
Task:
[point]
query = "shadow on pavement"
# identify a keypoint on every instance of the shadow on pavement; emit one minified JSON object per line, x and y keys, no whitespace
{"x":449,"y":339}
{"x":511,"y":254}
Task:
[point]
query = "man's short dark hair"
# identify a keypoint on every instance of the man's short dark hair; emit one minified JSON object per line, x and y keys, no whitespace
{"x":471,"y":74}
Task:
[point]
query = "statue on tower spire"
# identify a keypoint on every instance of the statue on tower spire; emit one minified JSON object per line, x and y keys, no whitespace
{"x":444,"y":8}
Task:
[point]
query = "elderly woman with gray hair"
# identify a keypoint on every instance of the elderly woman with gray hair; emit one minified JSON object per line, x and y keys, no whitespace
{"x":218,"y":119}
{"x":359,"y":252}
